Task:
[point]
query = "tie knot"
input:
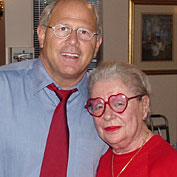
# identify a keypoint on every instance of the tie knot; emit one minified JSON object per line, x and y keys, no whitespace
{"x":63,"y":95}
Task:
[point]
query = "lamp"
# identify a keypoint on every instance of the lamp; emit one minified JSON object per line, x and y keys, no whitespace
{"x":1,"y":8}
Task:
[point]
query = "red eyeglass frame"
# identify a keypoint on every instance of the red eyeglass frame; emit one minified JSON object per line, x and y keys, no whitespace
{"x":108,"y":102}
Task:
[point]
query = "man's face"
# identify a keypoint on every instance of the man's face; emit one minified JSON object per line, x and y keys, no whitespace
{"x":68,"y":58}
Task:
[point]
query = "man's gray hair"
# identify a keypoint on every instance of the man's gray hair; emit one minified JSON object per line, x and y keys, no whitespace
{"x":45,"y":16}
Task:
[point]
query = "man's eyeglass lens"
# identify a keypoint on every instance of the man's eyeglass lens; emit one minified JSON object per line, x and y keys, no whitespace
{"x":64,"y":31}
{"x":118,"y":103}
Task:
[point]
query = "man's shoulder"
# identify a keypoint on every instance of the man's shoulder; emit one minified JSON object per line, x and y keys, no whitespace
{"x":17,"y":70}
{"x":16,"y":73}
{"x":24,"y":65}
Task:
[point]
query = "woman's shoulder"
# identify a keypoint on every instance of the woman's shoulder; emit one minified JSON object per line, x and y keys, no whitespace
{"x":161,"y":150}
{"x":107,"y":156}
{"x":161,"y":157}
{"x":157,"y":142}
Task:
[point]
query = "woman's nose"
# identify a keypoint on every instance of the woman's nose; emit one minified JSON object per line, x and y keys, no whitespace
{"x":108,"y":114}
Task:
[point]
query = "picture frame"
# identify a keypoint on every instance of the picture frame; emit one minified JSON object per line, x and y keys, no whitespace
{"x":18,"y":54}
{"x":153,"y":36}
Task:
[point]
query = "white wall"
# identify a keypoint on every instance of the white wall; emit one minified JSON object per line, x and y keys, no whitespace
{"x":115,"y":29}
{"x":164,"y":100}
{"x":18,"y":24}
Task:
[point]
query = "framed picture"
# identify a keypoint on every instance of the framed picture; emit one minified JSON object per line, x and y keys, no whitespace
{"x":18,"y":54}
{"x":153,"y":35}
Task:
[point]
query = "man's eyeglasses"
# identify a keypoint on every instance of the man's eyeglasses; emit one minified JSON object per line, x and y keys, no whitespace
{"x":64,"y":31}
{"x":118,"y":103}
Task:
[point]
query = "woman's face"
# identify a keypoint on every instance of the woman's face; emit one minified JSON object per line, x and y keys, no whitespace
{"x":124,"y":129}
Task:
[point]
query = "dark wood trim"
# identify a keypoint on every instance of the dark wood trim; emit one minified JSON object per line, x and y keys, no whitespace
{"x":155,"y":2}
{"x":160,"y":72}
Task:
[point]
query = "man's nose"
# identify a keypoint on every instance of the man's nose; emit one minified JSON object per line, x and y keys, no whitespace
{"x":73,"y":38}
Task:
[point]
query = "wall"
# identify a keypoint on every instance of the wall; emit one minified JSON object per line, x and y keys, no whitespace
{"x":164,"y":87}
{"x":115,"y":29}
{"x":19,"y":24}
{"x":164,"y":100}
{"x":2,"y":40}
{"x":19,"y":33}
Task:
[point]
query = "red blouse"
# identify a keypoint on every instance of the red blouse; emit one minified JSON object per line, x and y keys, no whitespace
{"x":157,"y":158}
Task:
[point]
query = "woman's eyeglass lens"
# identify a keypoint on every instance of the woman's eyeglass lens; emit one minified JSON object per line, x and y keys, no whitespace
{"x":118,"y":103}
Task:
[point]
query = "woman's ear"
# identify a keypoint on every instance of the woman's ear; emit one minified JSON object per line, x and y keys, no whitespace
{"x":145,"y":102}
{"x":41,"y":35}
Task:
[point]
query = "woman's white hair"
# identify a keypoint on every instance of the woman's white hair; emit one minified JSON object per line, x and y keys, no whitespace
{"x":130,"y":75}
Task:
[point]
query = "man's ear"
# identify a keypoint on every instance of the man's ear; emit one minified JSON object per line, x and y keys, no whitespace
{"x":145,"y":102}
{"x":98,"y":43}
{"x":41,"y":35}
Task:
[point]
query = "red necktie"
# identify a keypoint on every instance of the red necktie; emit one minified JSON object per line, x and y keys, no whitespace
{"x":56,"y":151}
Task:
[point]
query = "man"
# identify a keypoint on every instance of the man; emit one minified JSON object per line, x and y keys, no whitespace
{"x":68,"y":36}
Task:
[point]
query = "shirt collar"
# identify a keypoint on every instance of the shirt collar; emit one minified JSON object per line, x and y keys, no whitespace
{"x":41,"y":79}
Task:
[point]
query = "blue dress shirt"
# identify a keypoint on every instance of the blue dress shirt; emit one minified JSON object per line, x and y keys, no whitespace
{"x":26,"y":110}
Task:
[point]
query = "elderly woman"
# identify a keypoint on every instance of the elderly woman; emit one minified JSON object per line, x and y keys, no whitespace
{"x":119,"y":102}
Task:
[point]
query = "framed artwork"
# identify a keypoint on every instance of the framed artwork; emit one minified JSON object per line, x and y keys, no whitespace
{"x":18,"y":54}
{"x":153,"y":35}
